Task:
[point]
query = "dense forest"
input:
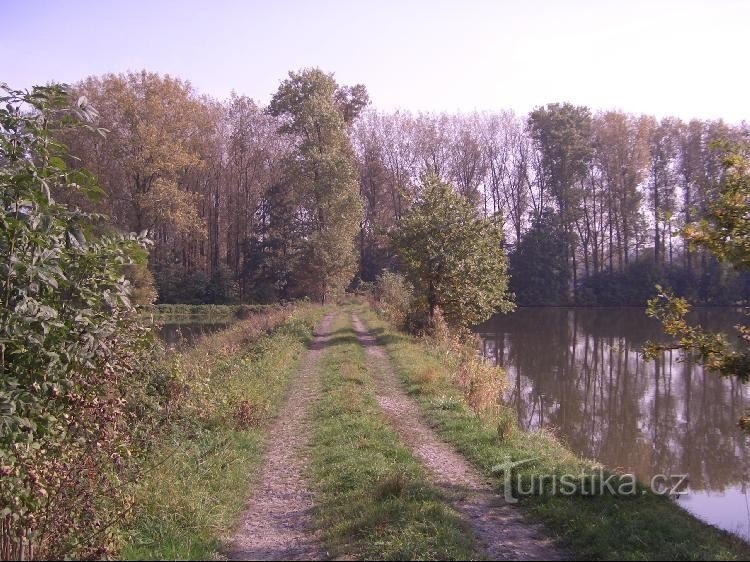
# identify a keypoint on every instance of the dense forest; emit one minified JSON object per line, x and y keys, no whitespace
{"x":258,"y":204}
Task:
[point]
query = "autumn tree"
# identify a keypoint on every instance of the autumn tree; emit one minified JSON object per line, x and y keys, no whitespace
{"x":238,"y":196}
{"x":322,"y":171}
{"x":453,"y":256}
{"x":159,"y":131}
{"x":725,"y":232}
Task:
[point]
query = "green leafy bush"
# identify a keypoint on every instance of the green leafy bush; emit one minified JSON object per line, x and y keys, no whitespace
{"x":453,"y":256}
{"x":394,"y":296}
{"x":72,"y":349}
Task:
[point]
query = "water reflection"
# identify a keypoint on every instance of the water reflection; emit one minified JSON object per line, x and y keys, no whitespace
{"x":581,"y":372}
{"x":181,"y":335}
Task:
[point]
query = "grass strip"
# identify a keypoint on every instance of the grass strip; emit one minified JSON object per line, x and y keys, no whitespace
{"x":372,"y":499}
{"x":206,"y":459}
{"x":600,"y":527}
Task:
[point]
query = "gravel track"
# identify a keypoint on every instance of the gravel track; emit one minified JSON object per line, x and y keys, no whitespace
{"x":277,"y":524}
{"x":502,"y":532}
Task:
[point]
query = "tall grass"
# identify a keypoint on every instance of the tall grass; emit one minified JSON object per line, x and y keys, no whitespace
{"x":203,"y":464}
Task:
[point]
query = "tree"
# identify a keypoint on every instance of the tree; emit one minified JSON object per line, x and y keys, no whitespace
{"x":160,"y":134}
{"x":506,"y":150}
{"x":562,"y":135}
{"x":273,"y":252}
{"x":432,"y":144}
{"x":378,"y":211}
{"x":537,"y":266}
{"x":250,"y":169}
{"x":453,"y":256}
{"x":232,"y":193}
{"x":323,"y":174}
{"x":621,"y":156}
{"x":468,"y":166}
{"x":726,"y":233}
{"x":662,"y":179}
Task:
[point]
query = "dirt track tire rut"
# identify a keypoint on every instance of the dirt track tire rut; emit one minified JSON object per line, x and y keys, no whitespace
{"x":278,"y":524}
{"x":502,"y":532}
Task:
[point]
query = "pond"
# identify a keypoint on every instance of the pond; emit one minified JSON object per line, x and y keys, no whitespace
{"x":581,"y":373}
{"x":181,"y":333}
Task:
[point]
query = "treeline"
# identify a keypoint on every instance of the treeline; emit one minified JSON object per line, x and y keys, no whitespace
{"x":253,"y":204}
{"x":241,"y":202}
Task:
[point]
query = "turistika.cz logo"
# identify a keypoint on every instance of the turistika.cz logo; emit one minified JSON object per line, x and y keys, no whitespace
{"x":592,"y":483}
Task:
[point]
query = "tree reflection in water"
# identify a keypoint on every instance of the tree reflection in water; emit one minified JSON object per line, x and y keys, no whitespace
{"x":580,"y":372}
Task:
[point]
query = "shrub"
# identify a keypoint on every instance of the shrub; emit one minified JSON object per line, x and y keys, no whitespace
{"x":143,"y":286}
{"x":418,"y":322}
{"x":393,"y":296}
{"x":453,"y":255}
{"x":73,"y":351}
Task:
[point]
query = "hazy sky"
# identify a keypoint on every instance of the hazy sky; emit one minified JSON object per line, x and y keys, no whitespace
{"x":685,"y":58}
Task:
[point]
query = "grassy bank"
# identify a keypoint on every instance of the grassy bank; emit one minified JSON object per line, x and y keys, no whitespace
{"x":641,"y":527}
{"x":371,"y":495}
{"x":231,"y":384}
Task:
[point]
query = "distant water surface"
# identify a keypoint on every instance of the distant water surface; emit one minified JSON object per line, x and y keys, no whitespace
{"x":186,"y":333}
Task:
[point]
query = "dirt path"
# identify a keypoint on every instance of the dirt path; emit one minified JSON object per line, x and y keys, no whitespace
{"x":278,"y":523}
{"x":502,"y":532}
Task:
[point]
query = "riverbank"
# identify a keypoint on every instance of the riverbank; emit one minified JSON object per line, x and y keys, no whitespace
{"x":645,"y":526}
{"x":202,"y":465}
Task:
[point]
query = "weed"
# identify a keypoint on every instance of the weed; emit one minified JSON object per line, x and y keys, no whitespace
{"x":391,"y":486}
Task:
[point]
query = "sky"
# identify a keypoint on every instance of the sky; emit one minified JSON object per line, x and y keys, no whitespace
{"x":686,"y":58}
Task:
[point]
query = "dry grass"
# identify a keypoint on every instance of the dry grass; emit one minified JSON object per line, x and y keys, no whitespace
{"x":427,"y":375}
{"x":481,"y":383}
